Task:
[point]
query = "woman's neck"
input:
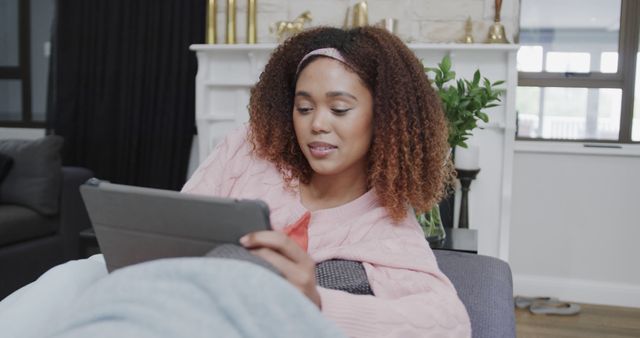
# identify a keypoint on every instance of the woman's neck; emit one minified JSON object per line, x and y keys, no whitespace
{"x":324,"y":192}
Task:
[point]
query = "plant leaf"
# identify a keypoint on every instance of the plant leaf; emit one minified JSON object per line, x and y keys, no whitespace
{"x":446,"y":63}
{"x":463,"y":101}
{"x":476,"y":77}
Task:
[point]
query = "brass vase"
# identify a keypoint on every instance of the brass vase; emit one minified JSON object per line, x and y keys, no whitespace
{"x":360,"y":15}
{"x":251,"y":22}
{"x":211,"y":22}
{"x":231,"y":21}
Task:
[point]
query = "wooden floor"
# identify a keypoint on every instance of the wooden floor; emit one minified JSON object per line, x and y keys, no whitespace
{"x":593,"y":321}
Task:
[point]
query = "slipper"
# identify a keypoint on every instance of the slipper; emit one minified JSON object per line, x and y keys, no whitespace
{"x":554,"y":308}
{"x":524,"y":302}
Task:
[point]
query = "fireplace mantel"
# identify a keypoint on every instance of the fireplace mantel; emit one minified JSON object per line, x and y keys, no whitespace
{"x":226,"y":74}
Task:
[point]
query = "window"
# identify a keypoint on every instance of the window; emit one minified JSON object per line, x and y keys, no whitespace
{"x":578,"y":71}
{"x":24,"y":33}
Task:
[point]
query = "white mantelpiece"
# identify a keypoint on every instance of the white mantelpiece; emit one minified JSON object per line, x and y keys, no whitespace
{"x":226,"y":74}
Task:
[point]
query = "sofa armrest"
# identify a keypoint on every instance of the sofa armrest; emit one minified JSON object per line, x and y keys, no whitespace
{"x":485,"y":286}
{"x":73,"y":214}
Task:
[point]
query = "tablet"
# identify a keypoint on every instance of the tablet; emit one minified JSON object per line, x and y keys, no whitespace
{"x":135,"y":224}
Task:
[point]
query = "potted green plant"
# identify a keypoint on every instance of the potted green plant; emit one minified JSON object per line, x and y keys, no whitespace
{"x":463,"y":103}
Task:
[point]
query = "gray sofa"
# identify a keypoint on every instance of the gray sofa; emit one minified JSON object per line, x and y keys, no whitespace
{"x":41,"y":212}
{"x":485,"y":287}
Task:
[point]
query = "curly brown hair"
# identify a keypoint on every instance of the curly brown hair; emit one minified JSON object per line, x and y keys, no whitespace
{"x":409,"y":147}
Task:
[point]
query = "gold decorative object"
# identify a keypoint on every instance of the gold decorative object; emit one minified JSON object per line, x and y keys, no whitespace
{"x":468,"y":28}
{"x":231,"y":21}
{"x":211,"y":22}
{"x":496,"y":31}
{"x":390,"y":24}
{"x":360,"y":17}
{"x":346,"y":24}
{"x":285,"y":29}
{"x":251,"y":21}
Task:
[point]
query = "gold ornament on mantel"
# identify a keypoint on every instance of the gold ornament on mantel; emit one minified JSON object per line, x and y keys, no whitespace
{"x":251,"y":22}
{"x":496,"y":31}
{"x":468,"y":31}
{"x":360,"y":14}
{"x":211,"y":22}
{"x":231,"y":21}
{"x":285,"y":29}
{"x":359,"y":17}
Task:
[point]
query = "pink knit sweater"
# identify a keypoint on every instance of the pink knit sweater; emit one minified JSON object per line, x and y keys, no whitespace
{"x":412,"y":297}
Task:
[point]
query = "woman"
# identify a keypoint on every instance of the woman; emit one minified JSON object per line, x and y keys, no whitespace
{"x":346,"y":140}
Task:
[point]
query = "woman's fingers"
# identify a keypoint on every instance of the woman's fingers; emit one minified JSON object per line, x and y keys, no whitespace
{"x":280,"y":262}
{"x":290,"y":270}
{"x":299,"y":275}
{"x":287,"y":257}
{"x":276,"y":241}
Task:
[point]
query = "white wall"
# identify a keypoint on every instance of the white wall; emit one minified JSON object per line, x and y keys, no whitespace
{"x":576,"y":225}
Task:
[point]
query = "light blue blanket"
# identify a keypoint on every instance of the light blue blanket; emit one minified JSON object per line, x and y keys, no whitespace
{"x":189,"y":297}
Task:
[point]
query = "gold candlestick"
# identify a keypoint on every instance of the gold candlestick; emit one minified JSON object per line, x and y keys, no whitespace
{"x":360,"y":15}
{"x":468,"y":31}
{"x":231,"y":21}
{"x":211,"y":22}
{"x":251,"y":21}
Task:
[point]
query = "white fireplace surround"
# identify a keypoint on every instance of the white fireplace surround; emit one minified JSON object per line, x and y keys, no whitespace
{"x":227,"y":72}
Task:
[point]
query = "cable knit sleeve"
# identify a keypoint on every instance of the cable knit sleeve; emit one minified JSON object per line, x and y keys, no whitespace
{"x":408,"y":309}
{"x":413,"y":298}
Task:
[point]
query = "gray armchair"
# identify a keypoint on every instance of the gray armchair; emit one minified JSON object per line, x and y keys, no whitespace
{"x":33,"y":252}
{"x":41,"y":212}
{"x":485,"y":287}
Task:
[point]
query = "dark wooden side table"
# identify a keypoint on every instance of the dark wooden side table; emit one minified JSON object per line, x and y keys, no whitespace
{"x":463,"y":240}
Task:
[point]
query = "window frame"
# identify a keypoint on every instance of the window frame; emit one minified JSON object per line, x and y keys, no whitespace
{"x":623,"y":79}
{"x":22,"y":72}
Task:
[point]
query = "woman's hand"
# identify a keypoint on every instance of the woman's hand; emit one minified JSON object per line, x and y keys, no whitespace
{"x":286,"y":256}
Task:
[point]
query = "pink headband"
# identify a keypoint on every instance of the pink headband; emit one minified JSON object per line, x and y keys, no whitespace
{"x":328,"y":52}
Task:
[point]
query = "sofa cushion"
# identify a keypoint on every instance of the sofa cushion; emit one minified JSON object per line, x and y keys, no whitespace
{"x":36,"y":176}
{"x":6,"y":162}
{"x":18,"y":223}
